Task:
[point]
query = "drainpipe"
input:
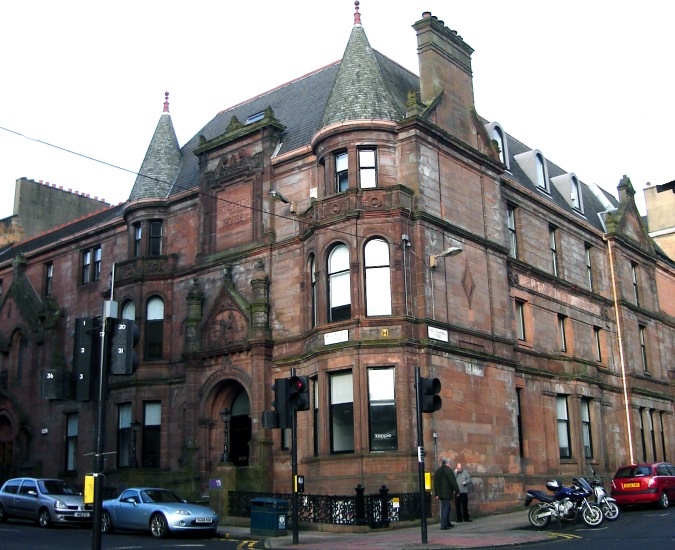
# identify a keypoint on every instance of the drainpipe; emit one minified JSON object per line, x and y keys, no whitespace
{"x":619,"y":333}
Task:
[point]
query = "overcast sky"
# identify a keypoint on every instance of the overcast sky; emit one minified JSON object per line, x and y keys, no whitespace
{"x":589,"y":83}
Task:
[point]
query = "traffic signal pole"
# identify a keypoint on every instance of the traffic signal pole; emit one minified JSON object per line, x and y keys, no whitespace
{"x":100,"y":439}
{"x":99,"y":463}
{"x":294,"y":469}
{"x":420,"y":457}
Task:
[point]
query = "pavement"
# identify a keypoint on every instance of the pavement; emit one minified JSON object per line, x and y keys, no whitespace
{"x":507,"y":529}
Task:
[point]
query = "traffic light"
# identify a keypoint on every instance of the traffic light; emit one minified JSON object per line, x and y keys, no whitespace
{"x":55,"y":384}
{"x":429,"y":399}
{"x":280,"y":404}
{"x":124,"y":336}
{"x":86,"y":357}
{"x":298,"y":393}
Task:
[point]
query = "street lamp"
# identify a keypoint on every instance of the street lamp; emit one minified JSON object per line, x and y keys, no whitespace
{"x":225,"y":417}
{"x":135,"y":426}
{"x":279,"y":197}
{"x":452,"y":251}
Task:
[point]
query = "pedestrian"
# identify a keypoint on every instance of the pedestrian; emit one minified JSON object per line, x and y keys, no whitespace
{"x":445,"y":487}
{"x":462,"y":498}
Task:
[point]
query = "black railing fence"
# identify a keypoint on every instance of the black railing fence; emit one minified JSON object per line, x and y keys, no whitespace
{"x":374,"y":510}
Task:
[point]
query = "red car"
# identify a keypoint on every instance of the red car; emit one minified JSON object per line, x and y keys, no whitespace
{"x":652,"y":483}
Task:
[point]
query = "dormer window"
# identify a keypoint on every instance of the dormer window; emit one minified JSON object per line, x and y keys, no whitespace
{"x":569,"y":187}
{"x":496,"y":132}
{"x":255,"y":118}
{"x":533,"y":163}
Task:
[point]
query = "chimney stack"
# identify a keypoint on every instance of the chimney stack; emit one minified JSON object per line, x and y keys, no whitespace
{"x":445,"y":66}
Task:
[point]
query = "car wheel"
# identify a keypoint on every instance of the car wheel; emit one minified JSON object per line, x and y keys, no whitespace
{"x":158,"y":526}
{"x":663,"y":501}
{"x":3,"y":515}
{"x":44,"y":519}
{"x":106,"y":522}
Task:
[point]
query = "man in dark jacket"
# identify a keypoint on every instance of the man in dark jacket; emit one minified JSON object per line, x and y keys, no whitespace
{"x":445,"y":487}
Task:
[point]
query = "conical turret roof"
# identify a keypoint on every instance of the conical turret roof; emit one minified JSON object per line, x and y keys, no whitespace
{"x":162,"y":161}
{"x":360,"y":91}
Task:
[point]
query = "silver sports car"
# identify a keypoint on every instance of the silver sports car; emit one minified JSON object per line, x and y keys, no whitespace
{"x":159,"y":510}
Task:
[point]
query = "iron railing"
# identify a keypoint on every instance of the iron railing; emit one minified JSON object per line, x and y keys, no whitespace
{"x":374,"y":510}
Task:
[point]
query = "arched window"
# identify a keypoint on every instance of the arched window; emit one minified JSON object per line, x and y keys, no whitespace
{"x":129,"y":310}
{"x":312,"y":286}
{"x":540,"y":168}
{"x":575,"y":194}
{"x":154,"y":328}
{"x":339,"y":291}
{"x":20,"y":347}
{"x":378,"y":278}
{"x":498,"y":136}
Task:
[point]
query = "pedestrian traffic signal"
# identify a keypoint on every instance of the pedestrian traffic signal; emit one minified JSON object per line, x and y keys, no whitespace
{"x":428,"y":391}
{"x":298,"y":393}
{"x":124,"y":336}
{"x":86,"y":357}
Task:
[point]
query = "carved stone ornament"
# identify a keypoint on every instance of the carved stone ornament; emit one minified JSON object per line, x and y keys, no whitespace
{"x":233,"y":165}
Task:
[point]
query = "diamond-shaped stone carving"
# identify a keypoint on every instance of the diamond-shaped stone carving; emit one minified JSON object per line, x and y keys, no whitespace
{"x":467,"y":284}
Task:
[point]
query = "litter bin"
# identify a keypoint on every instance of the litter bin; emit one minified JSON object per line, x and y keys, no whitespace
{"x":269,"y":516}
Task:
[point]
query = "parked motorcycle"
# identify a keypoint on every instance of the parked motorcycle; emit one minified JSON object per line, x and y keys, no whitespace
{"x":567,"y":503}
{"x":607,"y":504}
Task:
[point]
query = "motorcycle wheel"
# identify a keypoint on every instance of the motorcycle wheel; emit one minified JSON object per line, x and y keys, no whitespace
{"x":610,"y":510}
{"x":592,"y":515}
{"x":539,"y":516}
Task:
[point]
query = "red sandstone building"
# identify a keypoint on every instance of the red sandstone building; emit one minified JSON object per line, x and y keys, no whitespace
{"x":307,"y":229}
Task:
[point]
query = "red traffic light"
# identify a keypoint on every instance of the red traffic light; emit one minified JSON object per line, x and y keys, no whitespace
{"x":297,"y":384}
{"x":298,"y":393}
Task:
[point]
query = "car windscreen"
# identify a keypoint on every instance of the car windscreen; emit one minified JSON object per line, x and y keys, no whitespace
{"x":56,"y":487}
{"x":154,"y":495}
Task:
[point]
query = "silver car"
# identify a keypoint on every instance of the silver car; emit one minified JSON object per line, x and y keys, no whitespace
{"x":47,"y":501}
{"x":159,"y":511}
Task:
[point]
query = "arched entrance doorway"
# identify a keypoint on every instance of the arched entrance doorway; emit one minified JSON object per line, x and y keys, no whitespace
{"x":240,"y":429}
{"x":6,"y":448}
{"x":230,"y":413}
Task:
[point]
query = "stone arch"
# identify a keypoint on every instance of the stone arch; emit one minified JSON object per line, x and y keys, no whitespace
{"x":229,"y":441}
{"x":7,"y":434}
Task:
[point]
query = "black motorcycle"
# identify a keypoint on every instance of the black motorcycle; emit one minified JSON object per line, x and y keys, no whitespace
{"x":567,"y":503}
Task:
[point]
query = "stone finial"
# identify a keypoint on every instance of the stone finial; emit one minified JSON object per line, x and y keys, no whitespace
{"x":357,"y":15}
{"x":413,"y":105}
{"x":234,"y":124}
{"x":166,"y":102}
{"x":625,"y":189}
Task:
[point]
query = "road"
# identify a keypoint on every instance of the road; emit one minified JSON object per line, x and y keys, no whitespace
{"x":19,"y":535}
{"x":643,"y":527}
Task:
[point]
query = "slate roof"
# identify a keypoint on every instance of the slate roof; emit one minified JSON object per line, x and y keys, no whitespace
{"x":299,"y":105}
{"x":360,"y":91}
{"x":591,"y":205}
{"x":364,"y":84}
{"x":64,"y":232}
{"x":161,"y":163}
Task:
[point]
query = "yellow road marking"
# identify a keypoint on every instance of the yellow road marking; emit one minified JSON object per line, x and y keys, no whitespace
{"x":564,"y":535}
